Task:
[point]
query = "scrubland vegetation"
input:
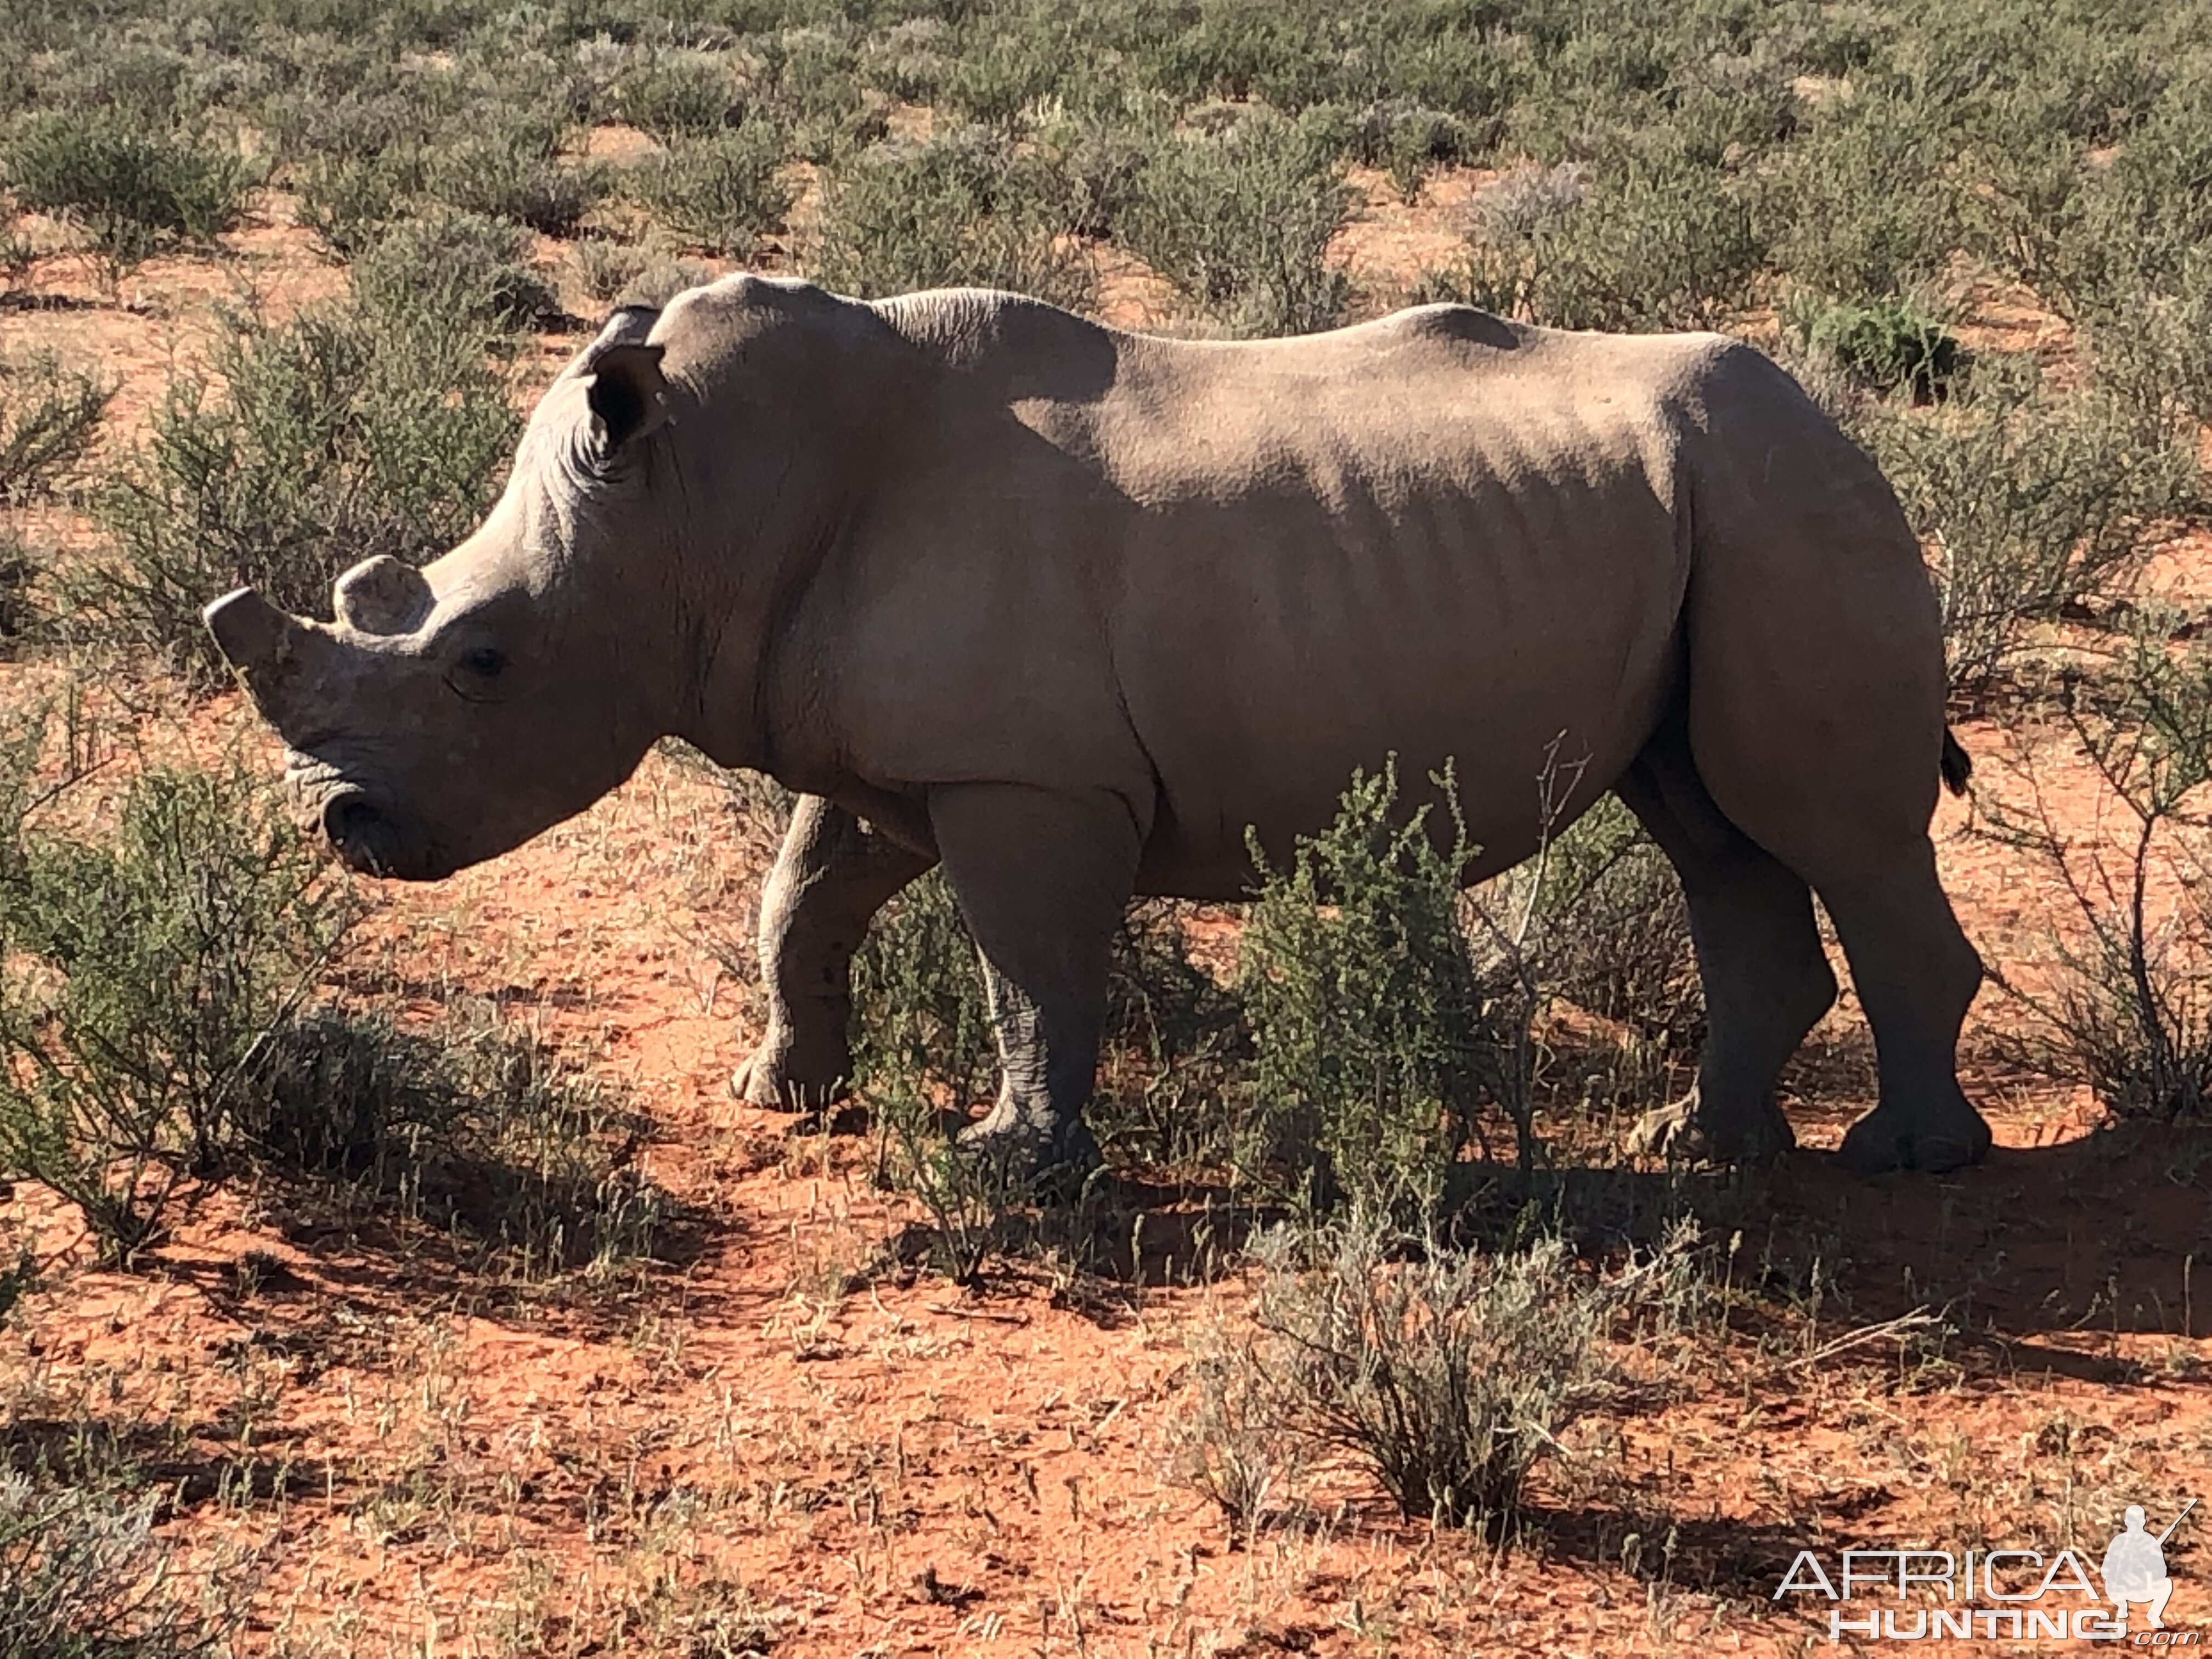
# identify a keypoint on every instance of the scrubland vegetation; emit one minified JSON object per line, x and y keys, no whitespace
{"x":1362,"y":1137}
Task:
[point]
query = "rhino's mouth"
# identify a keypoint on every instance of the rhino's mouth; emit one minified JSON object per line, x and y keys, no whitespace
{"x":356,"y":822}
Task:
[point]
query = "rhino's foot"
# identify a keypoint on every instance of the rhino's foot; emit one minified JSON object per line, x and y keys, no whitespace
{"x":1689,"y":1132}
{"x":1023,"y":1156}
{"x":1890,"y":1138}
{"x":783,"y":1076}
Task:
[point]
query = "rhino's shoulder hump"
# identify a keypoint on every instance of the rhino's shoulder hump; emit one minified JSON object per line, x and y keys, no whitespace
{"x":1457,"y":324}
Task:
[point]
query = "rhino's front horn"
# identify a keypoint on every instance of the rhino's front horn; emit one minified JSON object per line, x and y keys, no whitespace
{"x":250,"y":632}
{"x":383,"y":595}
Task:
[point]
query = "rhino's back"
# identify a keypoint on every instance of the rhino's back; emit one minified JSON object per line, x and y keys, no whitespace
{"x":1237,"y":571}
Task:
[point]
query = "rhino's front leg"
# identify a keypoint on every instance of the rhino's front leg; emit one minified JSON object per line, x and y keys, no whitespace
{"x":1043,"y":877}
{"x":832,"y":876}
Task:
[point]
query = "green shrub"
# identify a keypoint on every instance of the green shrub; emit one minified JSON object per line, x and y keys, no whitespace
{"x":819,"y":94}
{"x":1409,"y":140}
{"x":355,"y":428}
{"x":1370,"y":1029}
{"x":463,"y":259}
{"x":1172,"y":1088}
{"x":1863,"y":204}
{"x":720,"y":193}
{"x":82,"y":1576}
{"x":1662,"y":243}
{"x":48,"y":414}
{"x":1616,"y":930}
{"x":662,"y":280}
{"x":2031,"y":500}
{"x":1229,"y":1440}
{"x":1887,"y":346}
{"x":1445,"y":1376}
{"x":2151,"y":347}
{"x":145,"y":975}
{"x":133,"y":189}
{"x":1091,"y":165}
{"x":1241,"y":222}
{"x":605,"y":268}
{"x":516,"y":173}
{"x":966,"y":209}
{"x":2085,"y":235}
{"x":675,"y":96}
{"x":2122,"y":998}
{"x":919,"y":1017}
{"x":1171,"y":1048}
{"x":350,"y":202}
{"x":923,"y":1052}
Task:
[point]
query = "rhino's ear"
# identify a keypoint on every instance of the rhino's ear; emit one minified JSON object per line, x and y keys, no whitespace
{"x":628,"y":393}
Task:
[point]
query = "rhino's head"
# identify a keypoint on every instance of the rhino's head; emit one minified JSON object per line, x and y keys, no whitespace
{"x":449,"y":713}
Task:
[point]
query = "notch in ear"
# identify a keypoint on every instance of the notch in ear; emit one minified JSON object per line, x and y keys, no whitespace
{"x":627,"y":391}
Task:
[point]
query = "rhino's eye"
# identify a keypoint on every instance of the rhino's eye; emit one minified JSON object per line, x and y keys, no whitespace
{"x":484,"y":662}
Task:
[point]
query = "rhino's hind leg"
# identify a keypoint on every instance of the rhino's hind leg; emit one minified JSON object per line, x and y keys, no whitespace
{"x":1915,"y":974}
{"x":1043,"y":879}
{"x":1766,"y":979}
{"x":831,"y":877}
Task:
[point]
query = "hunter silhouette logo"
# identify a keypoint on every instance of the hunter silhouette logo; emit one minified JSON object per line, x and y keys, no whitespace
{"x":1928,"y":1594}
{"x":2134,"y":1566}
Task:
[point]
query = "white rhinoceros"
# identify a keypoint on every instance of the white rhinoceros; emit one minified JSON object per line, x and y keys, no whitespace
{"x":1069,"y":608}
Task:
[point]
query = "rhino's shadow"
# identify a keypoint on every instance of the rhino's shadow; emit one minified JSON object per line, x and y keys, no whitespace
{"x":2040,"y":1256}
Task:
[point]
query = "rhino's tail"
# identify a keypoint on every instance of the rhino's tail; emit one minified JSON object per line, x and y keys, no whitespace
{"x":1957,"y":764}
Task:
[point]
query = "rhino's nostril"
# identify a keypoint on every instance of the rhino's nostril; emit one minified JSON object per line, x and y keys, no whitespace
{"x":358,"y":832}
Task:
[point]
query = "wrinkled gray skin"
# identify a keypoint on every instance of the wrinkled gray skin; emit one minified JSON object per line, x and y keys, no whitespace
{"x":1068,"y":608}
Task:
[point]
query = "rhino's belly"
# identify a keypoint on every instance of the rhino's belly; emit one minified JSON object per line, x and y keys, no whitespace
{"x":1519,"y":769}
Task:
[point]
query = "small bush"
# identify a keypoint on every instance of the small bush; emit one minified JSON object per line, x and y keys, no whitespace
{"x":1229,"y":1442}
{"x":133,"y":189}
{"x":1241,"y":222}
{"x":1887,"y":346}
{"x":1616,"y":930}
{"x":1369,"y":1026}
{"x":1664,"y":242}
{"x":1409,"y":141}
{"x":1862,"y":201}
{"x":361,"y":426}
{"x":966,"y":209}
{"x":515,"y":174}
{"x":2087,"y":237}
{"x":472,"y":1122}
{"x":605,"y":269}
{"x":48,"y":414}
{"x":820,"y":94}
{"x":83,"y":1577}
{"x":659,"y":283}
{"x":145,"y":975}
{"x":919,"y":1018}
{"x":1092,"y":168}
{"x":2150,"y":345}
{"x":2128,"y":1006}
{"x":350,"y":202}
{"x":2031,"y":500}
{"x":923,"y":1052}
{"x":679,"y":94}
{"x":464,"y":259}
{"x":722,"y":193}
{"x":1170,"y":1091}
{"x":1446,"y":1376}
